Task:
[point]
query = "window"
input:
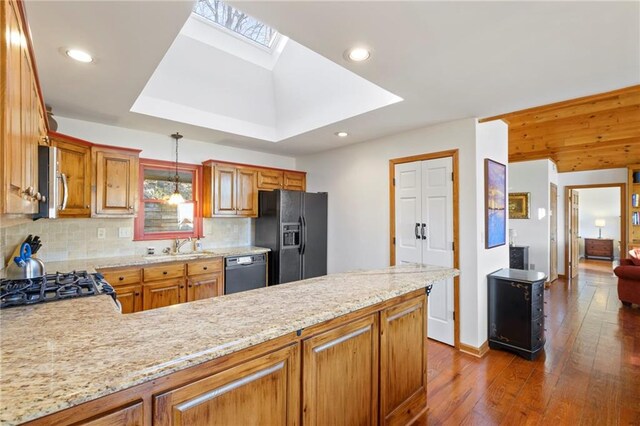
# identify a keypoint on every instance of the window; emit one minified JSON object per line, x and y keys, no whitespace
{"x":159,"y":220}
{"x":235,"y":20}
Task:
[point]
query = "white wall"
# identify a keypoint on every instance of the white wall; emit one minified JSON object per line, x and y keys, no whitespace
{"x":161,"y":147}
{"x":600,"y":203}
{"x":357,"y":180}
{"x":590,"y":177}
{"x":535,"y":178}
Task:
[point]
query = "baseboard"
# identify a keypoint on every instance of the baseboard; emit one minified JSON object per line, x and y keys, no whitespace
{"x":472,"y":350}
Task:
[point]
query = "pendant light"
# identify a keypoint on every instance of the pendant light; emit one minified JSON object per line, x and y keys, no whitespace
{"x":176,"y":197}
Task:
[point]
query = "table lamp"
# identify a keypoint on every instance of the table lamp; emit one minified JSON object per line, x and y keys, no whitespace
{"x":600,"y":224}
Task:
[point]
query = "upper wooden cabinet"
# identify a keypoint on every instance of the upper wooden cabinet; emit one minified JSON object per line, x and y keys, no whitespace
{"x":230,"y":191}
{"x":295,"y":181}
{"x":22,"y":124}
{"x":115,"y":181}
{"x":74,"y":183}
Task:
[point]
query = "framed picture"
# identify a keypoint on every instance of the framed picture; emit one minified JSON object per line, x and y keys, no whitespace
{"x":495,"y":203}
{"x":519,"y":205}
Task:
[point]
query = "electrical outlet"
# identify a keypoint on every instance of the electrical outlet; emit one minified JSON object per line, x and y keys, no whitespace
{"x":124,"y":232}
{"x":532,"y":266}
{"x":102,"y":233}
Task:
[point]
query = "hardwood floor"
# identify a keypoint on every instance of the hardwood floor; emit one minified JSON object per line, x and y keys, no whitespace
{"x":589,"y":373}
{"x":596,"y":265}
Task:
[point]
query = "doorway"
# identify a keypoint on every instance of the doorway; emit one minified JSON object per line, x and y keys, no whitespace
{"x":595,"y":232}
{"x":424,"y":229}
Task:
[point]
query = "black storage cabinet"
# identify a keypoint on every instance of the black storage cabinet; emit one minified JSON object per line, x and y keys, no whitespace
{"x":516,"y":311}
{"x":519,"y":257}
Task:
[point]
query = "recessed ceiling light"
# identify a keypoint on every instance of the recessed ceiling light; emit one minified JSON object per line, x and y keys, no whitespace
{"x":342,"y":134}
{"x":79,"y":55}
{"x":358,"y":54}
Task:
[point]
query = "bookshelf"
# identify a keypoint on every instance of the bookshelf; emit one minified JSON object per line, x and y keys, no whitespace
{"x":633,"y":199}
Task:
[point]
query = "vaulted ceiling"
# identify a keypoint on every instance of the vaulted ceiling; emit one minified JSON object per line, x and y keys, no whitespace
{"x":594,"y":132}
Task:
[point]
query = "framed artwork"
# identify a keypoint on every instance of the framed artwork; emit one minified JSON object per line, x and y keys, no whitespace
{"x":495,"y":203}
{"x":519,"y":205}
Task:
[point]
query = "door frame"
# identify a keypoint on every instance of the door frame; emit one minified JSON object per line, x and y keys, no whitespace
{"x":567,"y":221}
{"x":555,"y":218}
{"x":453,"y":153}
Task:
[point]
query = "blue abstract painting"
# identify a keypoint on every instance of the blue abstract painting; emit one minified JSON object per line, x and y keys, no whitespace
{"x":495,"y":201}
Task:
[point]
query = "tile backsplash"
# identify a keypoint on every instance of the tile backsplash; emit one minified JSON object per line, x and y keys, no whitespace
{"x":65,"y":239}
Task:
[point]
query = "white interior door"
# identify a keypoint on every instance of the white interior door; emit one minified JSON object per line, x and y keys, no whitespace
{"x":408,"y":211}
{"x":437,"y":215}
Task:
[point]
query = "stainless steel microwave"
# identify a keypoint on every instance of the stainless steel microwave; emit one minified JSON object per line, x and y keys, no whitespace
{"x":51,"y":183}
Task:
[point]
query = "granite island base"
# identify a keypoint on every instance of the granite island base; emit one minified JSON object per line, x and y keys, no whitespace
{"x":342,"y":349}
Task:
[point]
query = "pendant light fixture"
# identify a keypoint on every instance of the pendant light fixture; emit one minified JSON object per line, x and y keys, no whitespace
{"x":176,"y":197}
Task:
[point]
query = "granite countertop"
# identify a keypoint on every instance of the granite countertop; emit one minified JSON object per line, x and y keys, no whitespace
{"x":91,"y":265}
{"x":60,"y":354}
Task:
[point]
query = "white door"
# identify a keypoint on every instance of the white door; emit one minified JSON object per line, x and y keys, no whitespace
{"x":424,"y":232}
{"x":437,"y":215}
{"x":408,"y":213}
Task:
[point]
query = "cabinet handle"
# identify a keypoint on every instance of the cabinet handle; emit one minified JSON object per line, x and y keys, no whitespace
{"x":137,"y":293}
{"x":121,"y":278}
{"x":190,"y":285}
{"x":65,"y":193}
{"x":205,"y":267}
{"x":87,"y":206}
{"x":181,"y":286}
{"x":164,"y":272}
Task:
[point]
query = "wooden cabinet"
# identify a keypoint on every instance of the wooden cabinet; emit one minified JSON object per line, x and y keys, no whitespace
{"x":403,"y":361}
{"x":132,"y":415}
{"x":22,"y":122}
{"x":295,"y":181}
{"x":230,"y":191}
{"x":163,"y":293}
{"x":74,"y":185}
{"x":598,"y":247}
{"x":340,"y":375}
{"x":263,"y":391}
{"x":516,"y":311}
{"x":205,"y":279}
{"x":162,"y":272}
{"x":130,"y":298}
{"x":115,"y":181}
{"x":270,"y":179}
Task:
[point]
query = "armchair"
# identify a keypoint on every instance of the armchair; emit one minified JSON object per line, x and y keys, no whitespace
{"x":628,"y":282}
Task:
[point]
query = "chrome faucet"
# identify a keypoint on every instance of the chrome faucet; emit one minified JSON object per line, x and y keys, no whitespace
{"x":177,"y":243}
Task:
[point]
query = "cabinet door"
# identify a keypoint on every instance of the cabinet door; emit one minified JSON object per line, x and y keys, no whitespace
{"x":130,"y":298}
{"x":224,"y":190}
{"x":263,"y":391}
{"x":75,"y":164}
{"x":204,"y":286}
{"x":270,"y":179}
{"x":163,"y":293}
{"x":132,"y":415}
{"x":340,"y":376}
{"x":29,"y":133}
{"x":403,"y":362}
{"x":116,"y":181}
{"x":295,"y":181}
{"x":247,"y":193}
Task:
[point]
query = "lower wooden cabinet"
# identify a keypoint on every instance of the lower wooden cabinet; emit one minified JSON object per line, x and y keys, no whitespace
{"x":204,"y":287}
{"x":263,"y":391}
{"x":403,"y":361}
{"x":159,"y":294}
{"x":132,"y":415}
{"x":340,"y":375}
{"x":130,"y":298}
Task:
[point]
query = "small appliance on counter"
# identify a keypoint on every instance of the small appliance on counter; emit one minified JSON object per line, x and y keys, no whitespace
{"x":23,"y":265}
{"x":52,"y":287}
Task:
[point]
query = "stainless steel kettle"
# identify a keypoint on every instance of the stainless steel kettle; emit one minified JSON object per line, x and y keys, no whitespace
{"x":24,"y":266}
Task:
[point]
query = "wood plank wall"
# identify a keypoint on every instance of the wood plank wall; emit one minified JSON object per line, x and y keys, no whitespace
{"x":595,"y":132}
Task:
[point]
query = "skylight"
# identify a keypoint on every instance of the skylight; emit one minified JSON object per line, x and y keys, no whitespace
{"x":235,"y":20}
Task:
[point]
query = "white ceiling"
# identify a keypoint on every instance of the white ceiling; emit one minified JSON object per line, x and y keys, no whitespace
{"x":448,"y":60}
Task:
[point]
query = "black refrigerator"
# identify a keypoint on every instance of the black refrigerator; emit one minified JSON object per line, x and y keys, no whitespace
{"x":293,"y":224}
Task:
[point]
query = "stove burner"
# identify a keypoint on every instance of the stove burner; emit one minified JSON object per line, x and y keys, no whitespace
{"x":52,"y":287}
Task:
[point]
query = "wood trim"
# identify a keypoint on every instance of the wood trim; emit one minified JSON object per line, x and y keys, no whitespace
{"x":34,"y":68}
{"x":472,"y":350}
{"x":583,"y":99}
{"x":79,"y":141}
{"x":453,"y":153}
{"x":623,"y":217}
{"x":252,"y":166}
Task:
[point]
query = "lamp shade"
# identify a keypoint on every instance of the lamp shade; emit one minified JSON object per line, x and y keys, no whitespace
{"x":600,"y":223}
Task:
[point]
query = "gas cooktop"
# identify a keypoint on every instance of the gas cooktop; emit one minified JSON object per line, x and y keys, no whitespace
{"x":53,"y":287}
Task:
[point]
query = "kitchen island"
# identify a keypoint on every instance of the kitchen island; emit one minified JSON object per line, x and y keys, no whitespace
{"x":341,"y":349}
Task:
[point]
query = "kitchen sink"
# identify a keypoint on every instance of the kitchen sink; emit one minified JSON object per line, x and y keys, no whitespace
{"x":176,"y":256}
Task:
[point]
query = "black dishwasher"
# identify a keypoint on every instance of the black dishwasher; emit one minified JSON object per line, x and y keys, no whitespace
{"x":242,"y":273}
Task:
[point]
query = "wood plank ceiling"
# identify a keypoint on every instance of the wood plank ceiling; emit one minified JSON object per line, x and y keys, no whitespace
{"x":595,"y":132}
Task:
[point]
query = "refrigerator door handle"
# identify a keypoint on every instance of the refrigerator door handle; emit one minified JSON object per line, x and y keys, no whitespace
{"x":302,"y":239}
{"x":304,"y":234}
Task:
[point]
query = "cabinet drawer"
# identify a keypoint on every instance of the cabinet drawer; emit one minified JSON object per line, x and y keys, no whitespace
{"x":127,"y":276}
{"x":172,"y":270}
{"x":204,"y":266}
